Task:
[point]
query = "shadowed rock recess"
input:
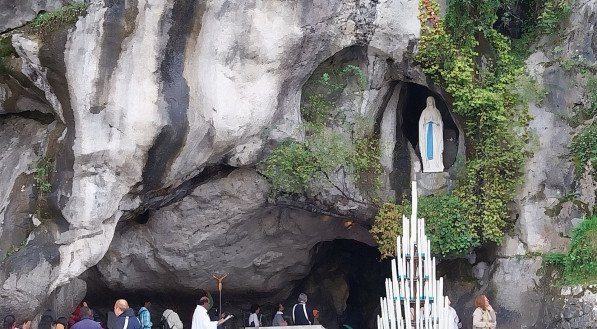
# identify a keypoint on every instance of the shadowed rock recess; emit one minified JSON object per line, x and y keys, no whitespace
{"x":131,"y":145}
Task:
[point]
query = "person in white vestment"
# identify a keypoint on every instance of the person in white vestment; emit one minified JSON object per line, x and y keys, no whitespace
{"x":201,"y":319}
{"x":453,"y":316}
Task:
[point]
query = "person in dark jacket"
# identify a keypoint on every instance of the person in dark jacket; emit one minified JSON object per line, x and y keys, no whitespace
{"x":47,"y":320}
{"x":302,"y":314}
{"x":125,"y":316}
{"x":86,"y":321}
{"x":8,"y":322}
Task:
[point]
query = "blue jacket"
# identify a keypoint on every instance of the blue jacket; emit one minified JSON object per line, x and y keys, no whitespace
{"x":133,"y":322}
{"x":86,"y":323}
{"x":145,"y":318}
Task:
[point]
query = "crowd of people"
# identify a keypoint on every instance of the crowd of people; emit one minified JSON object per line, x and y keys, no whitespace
{"x":124,"y":317}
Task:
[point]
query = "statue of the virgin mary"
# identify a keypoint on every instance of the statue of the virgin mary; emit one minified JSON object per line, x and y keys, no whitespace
{"x":431,"y":138}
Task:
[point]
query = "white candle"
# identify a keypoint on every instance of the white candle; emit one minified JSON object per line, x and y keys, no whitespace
{"x":429,"y":252}
{"x":417,"y":311}
{"x":394,"y":274}
{"x":427,"y":265}
{"x":413,"y":230}
{"x":404,"y":267}
{"x":407,"y":316}
{"x":383,"y":312}
{"x":405,"y":233}
{"x":398,"y":311}
{"x":434,"y":312}
{"x":414,"y":199}
{"x":423,"y":231}
{"x":426,"y":313}
{"x":406,"y":242}
{"x":391,"y":308}
{"x":420,"y":264}
{"x":402,"y":289}
{"x":404,"y":226}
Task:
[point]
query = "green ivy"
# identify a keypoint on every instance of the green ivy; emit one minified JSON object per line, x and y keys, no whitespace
{"x":41,"y":174}
{"x":584,"y":149}
{"x":483,"y":92}
{"x":579,"y":265}
{"x":539,"y":17}
{"x":551,"y":14}
{"x":450,"y":231}
{"x":48,"y":22}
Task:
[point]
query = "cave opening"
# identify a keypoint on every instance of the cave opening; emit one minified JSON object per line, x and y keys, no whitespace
{"x":344,"y":284}
{"x":415,"y":96}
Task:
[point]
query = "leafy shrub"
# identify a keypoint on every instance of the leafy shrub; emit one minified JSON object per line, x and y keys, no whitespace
{"x":579,"y":265}
{"x":450,"y":231}
{"x":41,"y":174}
{"x":291,"y":167}
{"x":551,"y":14}
{"x":318,"y":106}
{"x":295,"y":167}
{"x":48,"y":22}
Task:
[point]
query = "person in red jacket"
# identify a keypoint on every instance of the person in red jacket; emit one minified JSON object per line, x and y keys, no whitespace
{"x":76,"y":315}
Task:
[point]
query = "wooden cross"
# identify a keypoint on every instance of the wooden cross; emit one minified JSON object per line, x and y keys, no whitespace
{"x":220,"y":279}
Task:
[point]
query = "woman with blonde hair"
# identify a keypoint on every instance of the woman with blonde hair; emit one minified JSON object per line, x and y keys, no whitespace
{"x":484,"y":315}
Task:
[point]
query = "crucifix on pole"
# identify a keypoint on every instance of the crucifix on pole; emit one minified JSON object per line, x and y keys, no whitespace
{"x":220,"y":278}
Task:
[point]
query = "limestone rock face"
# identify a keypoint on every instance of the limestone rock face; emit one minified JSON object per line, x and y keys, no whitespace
{"x":544,"y":213}
{"x":151,"y":95}
{"x":224,"y":225}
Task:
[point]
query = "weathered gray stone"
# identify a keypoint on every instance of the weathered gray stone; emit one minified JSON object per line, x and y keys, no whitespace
{"x":577,"y":290}
{"x":223,"y":226}
{"x":17,"y":13}
{"x":28,"y":50}
{"x":23,"y":142}
{"x":571,"y":311}
{"x":480,"y":270}
{"x":515,"y":280}
{"x":432,"y":183}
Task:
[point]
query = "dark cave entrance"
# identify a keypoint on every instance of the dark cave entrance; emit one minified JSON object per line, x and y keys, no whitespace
{"x":345,"y":283}
{"x":415,"y":97}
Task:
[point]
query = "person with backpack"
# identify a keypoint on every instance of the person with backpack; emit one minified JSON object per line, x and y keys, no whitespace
{"x":170,"y":320}
{"x":302,"y":315}
{"x":145,"y":316}
{"x":125,"y":316}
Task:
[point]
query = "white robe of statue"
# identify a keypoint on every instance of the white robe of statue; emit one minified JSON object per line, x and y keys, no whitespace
{"x":431,"y":138}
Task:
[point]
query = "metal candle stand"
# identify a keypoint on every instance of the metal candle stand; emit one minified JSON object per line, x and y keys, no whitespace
{"x":415,"y":297}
